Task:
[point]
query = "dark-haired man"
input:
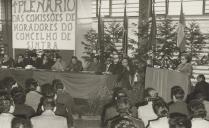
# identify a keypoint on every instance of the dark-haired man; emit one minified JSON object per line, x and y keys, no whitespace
{"x":178,"y":120}
{"x":48,"y":119}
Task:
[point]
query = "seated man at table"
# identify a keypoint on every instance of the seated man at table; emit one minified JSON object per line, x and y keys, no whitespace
{"x":35,"y":61}
{"x":75,"y":65}
{"x":95,"y":66}
{"x":7,"y":61}
{"x":20,"y":63}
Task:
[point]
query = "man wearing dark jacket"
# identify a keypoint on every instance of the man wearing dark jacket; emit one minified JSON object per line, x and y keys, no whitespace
{"x":202,"y":86}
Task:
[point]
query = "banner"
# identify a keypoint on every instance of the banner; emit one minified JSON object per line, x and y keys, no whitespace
{"x":44,"y":24}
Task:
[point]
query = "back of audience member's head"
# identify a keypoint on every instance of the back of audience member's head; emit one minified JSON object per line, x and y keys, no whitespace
{"x":47,"y":90}
{"x":123,"y":105}
{"x":21,"y":123}
{"x":177,"y":93}
{"x":150,"y":93}
{"x":122,"y":122}
{"x":116,"y":91}
{"x":57,"y":84}
{"x":19,"y":97}
{"x":178,"y":120}
{"x":197,"y":109}
{"x":31,"y":85}
{"x":8,"y":83}
{"x":160,"y":107}
{"x":200,"y":96}
{"x":6,"y":102}
{"x":48,"y":104}
{"x":200,"y":77}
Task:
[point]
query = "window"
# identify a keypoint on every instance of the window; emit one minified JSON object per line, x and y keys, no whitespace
{"x":206,"y":8}
{"x":105,"y":8}
{"x":190,"y":7}
{"x":160,"y":6}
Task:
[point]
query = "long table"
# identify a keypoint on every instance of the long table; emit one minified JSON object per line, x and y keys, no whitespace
{"x":163,"y":80}
{"x":79,"y":85}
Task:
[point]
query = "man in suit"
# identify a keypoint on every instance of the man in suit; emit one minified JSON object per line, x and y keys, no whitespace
{"x":48,"y":119}
{"x":75,"y":65}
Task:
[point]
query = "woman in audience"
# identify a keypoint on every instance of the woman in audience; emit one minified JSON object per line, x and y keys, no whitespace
{"x":178,"y":105}
{"x":21,"y":109}
{"x":178,"y":120}
{"x":6,"y":108}
{"x":33,"y":95}
{"x":186,"y":68}
{"x":198,"y":114}
{"x":21,"y":123}
{"x":161,"y":110}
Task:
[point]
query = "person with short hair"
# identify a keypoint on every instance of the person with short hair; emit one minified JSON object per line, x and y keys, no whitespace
{"x":179,"y":120}
{"x":7,"y":61}
{"x":198,"y":114}
{"x":33,"y":95}
{"x":20,"y":63}
{"x":123,"y":108}
{"x":161,"y":110}
{"x":178,"y":105}
{"x":35,"y":61}
{"x":21,"y":123}
{"x":61,"y":109}
{"x":48,"y":119}
{"x":21,"y":109}
{"x":9,"y":83}
{"x":146,"y":112}
{"x":202,"y":86}
{"x":6,"y":108}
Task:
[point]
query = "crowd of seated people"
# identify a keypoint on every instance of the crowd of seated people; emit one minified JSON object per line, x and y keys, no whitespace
{"x":181,"y":112}
{"x":34,"y":106}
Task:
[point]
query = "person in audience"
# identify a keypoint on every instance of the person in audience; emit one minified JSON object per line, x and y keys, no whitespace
{"x":179,"y":120}
{"x":35,"y":61}
{"x":7,"y":61}
{"x":9,"y":83}
{"x":48,"y":119}
{"x":117,"y":66}
{"x":61,"y":109}
{"x":21,"y":123}
{"x":178,"y":105}
{"x":161,"y":110}
{"x":123,"y":107}
{"x":59,"y":65}
{"x":198,"y":114}
{"x":63,"y":97}
{"x":125,"y":77}
{"x":108,"y":66}
{"x":21,"y":109}
{"x":186,"y":68}
{"x":33,"y":95}
{"x":20,"y":63}
{"x":109,"y":110}
{"x":203,"y":99}
{"x":46,"y":63}
{"x":145,"y":110}
{"x":202,"y":86}
{"x":6,"y":108}
{"x":95,"y":66}
{"x":75,"y":65}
